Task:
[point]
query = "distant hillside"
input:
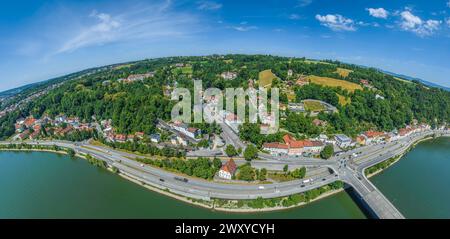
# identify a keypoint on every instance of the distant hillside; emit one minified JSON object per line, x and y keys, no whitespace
{"x":409,"y":78}
{"x":42,"y":84}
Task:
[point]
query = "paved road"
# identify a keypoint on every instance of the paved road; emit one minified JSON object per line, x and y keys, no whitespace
{"x":347,"y":170}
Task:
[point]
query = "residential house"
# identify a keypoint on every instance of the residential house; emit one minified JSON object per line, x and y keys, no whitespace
{"x":182,"y":140}
{"x":24,"y":135}
{"x":155,"y":138}
{"x":120,"y":138}
{"x":302,"y":81}
{"x":296,"y":107}
{"x":318,"y":122}
{"x":312,"y":146}
{"x":173,"y":140}
{"x":343,"y":141}
{"x":228,"y":75}
{"x":290,"y":73}
{"x":29,"y":121}
{"x":139,"y":135}
{"x":361,"y":140}
{"x":373,"y":136}
{"x":276,"y":148}
{"x":184,"y":129}
{"x":228,"y":169}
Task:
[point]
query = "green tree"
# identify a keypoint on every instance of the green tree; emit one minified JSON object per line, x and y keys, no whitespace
{"x":285,"y":168}
{"x":327,"y":152}
{"x":230,"y":150}
{"x":71,"y":152}
{"x":299,"y":173}
{"x":246,"y":173}
{"x":250,"y":153}
{"x":262,"y":174}
{"x":217,"y":163}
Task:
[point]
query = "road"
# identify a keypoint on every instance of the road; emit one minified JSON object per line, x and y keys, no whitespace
{"x":351,"y":171}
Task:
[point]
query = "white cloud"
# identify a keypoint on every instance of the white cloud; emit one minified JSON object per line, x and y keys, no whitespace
{"x":448,"y":22}
{"x":102,"y":31}
{"x":304,"y":3}
{"x":448,"y":3}
{"x":412,"y":23}
{"x":378,"y":12}
{"x":336,"y":22}
{"x":149,"y":22}
{"x":294,"y":17}
{"x":244,"y":28}
{"x":209,"y":5}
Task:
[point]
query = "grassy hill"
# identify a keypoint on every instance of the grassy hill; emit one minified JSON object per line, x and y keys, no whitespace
{"x":331,"y":82}
{"x":265,"y":78}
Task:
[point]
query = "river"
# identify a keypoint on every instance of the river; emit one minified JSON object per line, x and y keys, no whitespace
{"x":48,"y":185}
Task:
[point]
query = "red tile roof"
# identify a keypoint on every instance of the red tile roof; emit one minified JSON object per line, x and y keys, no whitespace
{"x":275,"y":145}
{"x":229,"y":166}
{"x":373,"y":134}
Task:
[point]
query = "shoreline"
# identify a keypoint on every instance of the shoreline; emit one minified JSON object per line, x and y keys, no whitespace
{"x":193,"y":202}
{"x":399,"y":157}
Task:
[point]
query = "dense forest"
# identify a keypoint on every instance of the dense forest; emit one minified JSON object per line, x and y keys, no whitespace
{"x":136,"y":106}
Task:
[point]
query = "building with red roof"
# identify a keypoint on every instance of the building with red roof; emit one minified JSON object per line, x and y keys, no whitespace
{"x":228,"y":169}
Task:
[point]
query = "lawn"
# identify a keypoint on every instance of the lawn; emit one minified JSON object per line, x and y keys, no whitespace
{"x":400,"y":79}
{"x":280,"y":177}
{"x":343,"y":72}
{"x":316,"y":62}
{"x":187,"y":70}
{"x":122,"y":66}
{"x":291,"y":96}
{"x":343,"y":100}
{"x":331,"y":82}
{"x":265,"y":78}
{"x":313,"y":106}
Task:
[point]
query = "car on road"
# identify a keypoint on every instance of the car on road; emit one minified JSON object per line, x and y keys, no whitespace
{"x":162,"y":180}
{"x":184,"y":180}
{"x":142,"y":165}
{"x":261,"y":187}
{"x":303,"y":185}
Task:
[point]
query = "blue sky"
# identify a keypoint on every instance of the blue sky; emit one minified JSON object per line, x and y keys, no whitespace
{"x":44,"y":39}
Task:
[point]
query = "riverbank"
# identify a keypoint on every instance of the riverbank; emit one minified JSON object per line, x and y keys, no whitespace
{"x":397,"y":158}
{"x":212,"y":205}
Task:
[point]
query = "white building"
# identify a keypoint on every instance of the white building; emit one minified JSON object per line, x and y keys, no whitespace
{"x":343,"y":141}
{"x":276,"y":148}
{"x":228,"y":169}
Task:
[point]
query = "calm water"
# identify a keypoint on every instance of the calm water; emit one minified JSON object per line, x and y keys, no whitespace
{"x":418,"y":185}
{"x":46,"y":185}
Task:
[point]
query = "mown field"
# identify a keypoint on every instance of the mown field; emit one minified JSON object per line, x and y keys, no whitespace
{"x":265,"y":78}
{"x":343,"y":72}
{"x":331,"y":82}
{"x":343,"y":101}
{"x":187,"y":70}
{"x":313,"y":106}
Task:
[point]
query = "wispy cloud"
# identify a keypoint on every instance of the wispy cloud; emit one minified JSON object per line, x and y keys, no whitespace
{"x":448,"y":3}
{"x":413,"y":23}
{"x":149,"y":22}
{"x":304,"y":3}
{"x":336,"y":22}
{"x":294,"y":17}
{"x":101,"y":32}
{"x":378,"y":12}
{"x":208,"y":5}
{"x":244,"y":28}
